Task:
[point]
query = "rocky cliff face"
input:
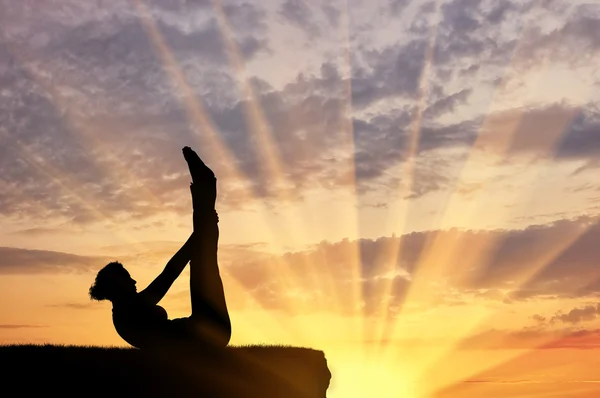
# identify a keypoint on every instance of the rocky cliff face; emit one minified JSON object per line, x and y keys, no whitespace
{"x":247,"y":371}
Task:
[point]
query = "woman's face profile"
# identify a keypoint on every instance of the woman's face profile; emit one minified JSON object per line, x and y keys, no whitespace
{"x":126,"y":284}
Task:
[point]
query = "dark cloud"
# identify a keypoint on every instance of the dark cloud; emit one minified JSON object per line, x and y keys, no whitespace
{"x":467,"y":34}
{"x":384,"y":142}
{"x":143,"y":126}
{"x":298,"y":13}
{"x":470,"y":34}
{"x":556,"y":130}
{"x":91,"y":105}
{"x":332,"y":14}
{"x":246,"y":18}
{"x":92,"y":121}
{"x":182,"y":6}
{"x":578,"y":315}
{"x":539,"y":318}
{"x":394,"y":71}
{"x":397,"y":6}
{"x":568,"y":272}
{"x":581,"y":138}
{"x":575,"y":43}
{"x":447,"y":104}
{"x":501,"y":11}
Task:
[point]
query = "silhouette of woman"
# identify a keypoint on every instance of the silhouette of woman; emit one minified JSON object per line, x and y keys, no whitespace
{"x":138,"y":318}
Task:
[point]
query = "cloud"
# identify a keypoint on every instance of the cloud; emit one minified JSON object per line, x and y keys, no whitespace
{"x":533,"y":338}
{"x":298,"y":13}
{"x":501,"y":11}
{"x":581,"y":339}
{"x":577,"y":315}
{"x":16,"y":326}
{"x":447,"y":104}
{"x":41,"y":231}
{"x":383,"y":142}
{"x":95,"y":79}
{"x":326,"y":268}
{"x":324,"y":277}
{"x":574,"y":42}
{"x":25,"y":261}
{"x":570,"y":274}
{"x":539,"y":318}
{"x":557,"y":131}
{"x":397,"y":6}
{"x":74,"y":306}
{"x":332,"y":14}
{"x":107,"y":78}
{"x":92,"y":120}
{"x":393,"y":71}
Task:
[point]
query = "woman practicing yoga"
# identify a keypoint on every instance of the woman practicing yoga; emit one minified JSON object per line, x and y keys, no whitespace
{"x":138,"y":318}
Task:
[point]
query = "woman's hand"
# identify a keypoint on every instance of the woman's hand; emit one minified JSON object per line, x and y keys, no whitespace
{"x":161,"y":285}
{"x":204,"y":197}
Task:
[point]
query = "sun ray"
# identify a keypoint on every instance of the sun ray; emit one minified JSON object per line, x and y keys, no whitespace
{"x":356,"y":293}
{"x":445,"y":381}
{"x":259,"y":126}
{"x":79,"y":128}
{"x":478,"y":257}
{"x":47,"y":170}
{"x":53,"y":174}
{"x":19,"y":189}
{"x":442,"y":377}
{"x":202,"y":124}
{"x":442,"y":252}
{"x":206,"y":130}
{"x":444,"y":354}
{"x":255,"y":118}
{"x":270,"y":329}
{"x":388,"y":256}
{"x":433,"y":264}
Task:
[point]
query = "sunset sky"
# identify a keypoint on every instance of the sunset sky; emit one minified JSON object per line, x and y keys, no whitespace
{"x":410,"y":186}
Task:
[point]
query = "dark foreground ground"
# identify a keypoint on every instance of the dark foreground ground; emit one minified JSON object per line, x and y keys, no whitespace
{"x":245,"y":371}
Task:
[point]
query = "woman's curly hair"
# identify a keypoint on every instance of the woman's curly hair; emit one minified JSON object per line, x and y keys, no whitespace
{"x":102,"y":288}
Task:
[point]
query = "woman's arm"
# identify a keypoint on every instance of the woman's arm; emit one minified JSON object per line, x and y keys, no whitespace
{"x":161,"y":285}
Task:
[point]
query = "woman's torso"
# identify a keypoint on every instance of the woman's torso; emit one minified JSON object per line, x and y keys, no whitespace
{"x":138,"y":323}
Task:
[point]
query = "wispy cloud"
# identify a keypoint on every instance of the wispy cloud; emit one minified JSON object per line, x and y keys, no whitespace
{"x":17,"y":326}
{"x":25,"y":261}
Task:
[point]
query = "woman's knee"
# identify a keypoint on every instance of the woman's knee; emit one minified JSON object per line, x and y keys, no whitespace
{"x":222,"y":335}
{"x":227,"y":335}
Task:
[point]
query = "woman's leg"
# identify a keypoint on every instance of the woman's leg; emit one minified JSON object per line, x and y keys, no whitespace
{"x":209,"y":308}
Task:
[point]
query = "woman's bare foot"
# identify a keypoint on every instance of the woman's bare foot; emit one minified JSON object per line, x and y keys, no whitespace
{"x":204,"y":187}
{"x":200,"y":172}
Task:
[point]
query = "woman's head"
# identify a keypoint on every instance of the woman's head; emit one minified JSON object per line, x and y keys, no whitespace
{"x":113,"y":282}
